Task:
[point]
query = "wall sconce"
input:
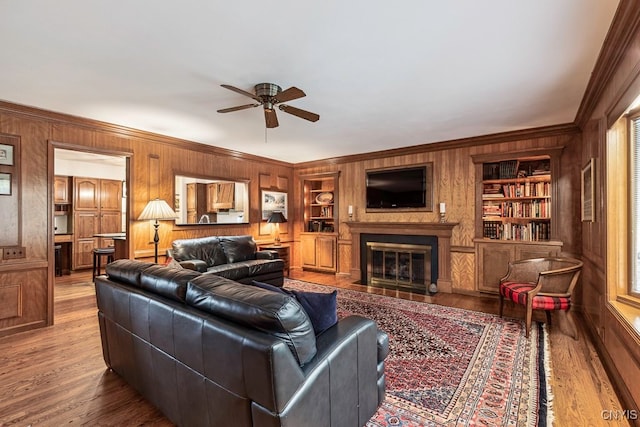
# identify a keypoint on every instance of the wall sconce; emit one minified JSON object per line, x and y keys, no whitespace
{"x":277,"y":218}
{"x":157,"y":209}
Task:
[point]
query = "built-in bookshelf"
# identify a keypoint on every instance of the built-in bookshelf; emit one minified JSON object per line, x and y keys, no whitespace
{"x":319,"y":240}
{"x":516,"y":199}
{"x":516,"y":210}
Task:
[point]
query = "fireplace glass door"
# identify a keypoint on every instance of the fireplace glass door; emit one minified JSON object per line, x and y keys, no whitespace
{"x":399,"y":266}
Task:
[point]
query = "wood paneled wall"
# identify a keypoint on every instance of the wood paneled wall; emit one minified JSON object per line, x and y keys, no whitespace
{"x":26,"y":285}
{"x":454,"y":184}
{"x":615,"y":84}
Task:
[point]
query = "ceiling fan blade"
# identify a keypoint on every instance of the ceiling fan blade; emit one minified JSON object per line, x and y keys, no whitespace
{"x":270,"y":118}
{"x":307,"y":115}
{"x":289,"y":94}
{"x":239,"y":107}
{"x":242,"y":92}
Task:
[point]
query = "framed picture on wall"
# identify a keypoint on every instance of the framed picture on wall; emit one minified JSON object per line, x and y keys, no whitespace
{"x":5,"y":184}
{"x":273,"y":201}
{"x":588,"y":191}
{"x":6,"y":154}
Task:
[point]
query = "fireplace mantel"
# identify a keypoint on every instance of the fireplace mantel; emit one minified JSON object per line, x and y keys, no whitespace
{"x":442,"y":230}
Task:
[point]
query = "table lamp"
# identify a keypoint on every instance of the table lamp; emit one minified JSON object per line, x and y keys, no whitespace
{"x":157,"y":209}
{"x":277,"y":218}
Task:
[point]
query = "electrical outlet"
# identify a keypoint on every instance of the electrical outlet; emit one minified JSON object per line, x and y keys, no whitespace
{"x":14,"y":252}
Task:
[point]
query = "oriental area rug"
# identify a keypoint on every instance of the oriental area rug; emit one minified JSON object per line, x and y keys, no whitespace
{"x":453,"y":367}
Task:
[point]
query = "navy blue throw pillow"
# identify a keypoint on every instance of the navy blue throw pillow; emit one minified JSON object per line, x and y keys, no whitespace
{"x":321,"y":307}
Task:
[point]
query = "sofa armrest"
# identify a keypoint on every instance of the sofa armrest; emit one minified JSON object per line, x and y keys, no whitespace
{"x":195,"y":264}
{"x":340,"y":382}
{"x":267,"y":254}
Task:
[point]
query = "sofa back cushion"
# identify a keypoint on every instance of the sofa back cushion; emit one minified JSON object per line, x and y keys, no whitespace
{"x":274,"y":313}
{"x":127,"y":271}
{"x":207,"y":249}
{"x":168,"y":282}
{"x":238,"y":248}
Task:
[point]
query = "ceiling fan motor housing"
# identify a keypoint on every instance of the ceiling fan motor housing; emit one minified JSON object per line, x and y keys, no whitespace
{"x":267,"y":91}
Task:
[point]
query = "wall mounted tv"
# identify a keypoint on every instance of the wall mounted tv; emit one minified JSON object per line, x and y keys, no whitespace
{"x":408,"y":188}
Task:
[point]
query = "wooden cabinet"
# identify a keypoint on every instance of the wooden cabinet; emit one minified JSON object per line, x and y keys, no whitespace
{"x":516,"y":200}
{"x":319,"y":251}
{"x":492,"y":259}
{"x":220,"y":196}
{"x":61,"y":190}
{"x":319,"y":242}
{"x":110,"y":196}
{"x":86,"y":194}
{"x":86,"y":224}
{"x":283,"y":254}
{"x":97,"y":208}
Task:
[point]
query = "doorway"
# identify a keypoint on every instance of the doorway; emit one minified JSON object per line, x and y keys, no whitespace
{"x":82,"y":217}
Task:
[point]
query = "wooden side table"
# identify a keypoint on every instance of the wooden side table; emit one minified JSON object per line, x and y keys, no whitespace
{"x":283,"y":253}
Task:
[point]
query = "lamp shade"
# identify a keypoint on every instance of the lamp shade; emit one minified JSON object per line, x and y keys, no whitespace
{"x":157,"y":209}
{"x":276,"y":218}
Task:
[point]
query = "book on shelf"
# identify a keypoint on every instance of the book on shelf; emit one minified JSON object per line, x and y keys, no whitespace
{"x":531,"y":232}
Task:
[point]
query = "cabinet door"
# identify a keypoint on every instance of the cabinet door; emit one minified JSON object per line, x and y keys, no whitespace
{"x":226,"y":193}
{"x":493,"y":263}
{"x":536,"y":251}
{"x":212,"y":197}
{"x":326,"y":252}
{"x":308,"y":248}
{"x":110,"y":195}
{"x":83,"y":253}
{"x":191,"y":197}
{"x":61,"y":193}
{"x":86,"y":225}
{"x":86,"y":194}
{"x":110,"y":222}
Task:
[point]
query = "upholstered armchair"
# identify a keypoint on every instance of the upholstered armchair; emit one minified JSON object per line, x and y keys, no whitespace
{"x":542,"y":284}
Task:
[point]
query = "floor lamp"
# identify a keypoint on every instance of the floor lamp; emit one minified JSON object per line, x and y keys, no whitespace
{"x":157,"y":209}
{"x":277,"y":218}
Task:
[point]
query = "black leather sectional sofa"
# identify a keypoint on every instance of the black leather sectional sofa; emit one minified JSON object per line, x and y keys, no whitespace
{"x":234,"y":257}
{"x":209,"y":351}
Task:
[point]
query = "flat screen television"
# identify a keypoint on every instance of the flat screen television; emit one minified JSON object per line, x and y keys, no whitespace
{"x":397,"y":188}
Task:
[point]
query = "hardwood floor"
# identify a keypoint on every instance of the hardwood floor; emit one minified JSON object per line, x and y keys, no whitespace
{"x":56,"y":375}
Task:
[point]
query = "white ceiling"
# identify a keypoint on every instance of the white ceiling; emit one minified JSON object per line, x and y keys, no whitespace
{"x":381,"y":74}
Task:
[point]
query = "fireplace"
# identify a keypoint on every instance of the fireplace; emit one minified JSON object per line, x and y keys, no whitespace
{"x":437,"y":236}
{"x":399,"y":266}
{"x":399,"y":261}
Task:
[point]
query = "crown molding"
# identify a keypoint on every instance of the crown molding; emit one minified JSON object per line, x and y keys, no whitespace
{"x":127,"y":132}
{"x":619,"y":38}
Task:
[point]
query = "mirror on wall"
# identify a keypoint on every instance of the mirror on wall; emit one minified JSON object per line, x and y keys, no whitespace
{"x":211,"y":201}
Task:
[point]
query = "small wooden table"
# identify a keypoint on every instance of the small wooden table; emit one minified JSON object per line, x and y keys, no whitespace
{"x":283,"y":253}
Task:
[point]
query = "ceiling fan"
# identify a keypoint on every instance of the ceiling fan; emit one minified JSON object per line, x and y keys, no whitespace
{"x":268,"y":95}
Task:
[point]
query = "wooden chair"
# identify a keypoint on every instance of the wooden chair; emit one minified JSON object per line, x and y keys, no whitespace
{"x":542,"y":284}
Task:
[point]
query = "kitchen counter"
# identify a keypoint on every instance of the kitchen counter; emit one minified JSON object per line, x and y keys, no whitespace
{"x":114,"y":236}
{"x":119,"y":243}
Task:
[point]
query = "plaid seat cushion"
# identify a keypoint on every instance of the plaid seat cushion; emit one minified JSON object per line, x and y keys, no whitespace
{"x":517,"y":292}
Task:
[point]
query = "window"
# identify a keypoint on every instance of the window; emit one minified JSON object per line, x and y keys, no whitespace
{"x":634,"y":198}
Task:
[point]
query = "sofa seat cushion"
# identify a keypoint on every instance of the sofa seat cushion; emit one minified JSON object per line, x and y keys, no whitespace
{"x":274,"y":313}
{"x":250,"y":268}
{"x":207,"y":249}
